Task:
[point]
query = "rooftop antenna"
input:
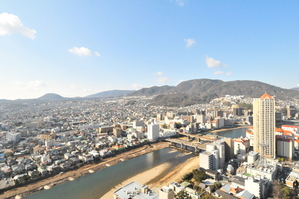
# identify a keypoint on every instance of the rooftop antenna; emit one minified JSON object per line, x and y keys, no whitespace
{"x":263,"y":160}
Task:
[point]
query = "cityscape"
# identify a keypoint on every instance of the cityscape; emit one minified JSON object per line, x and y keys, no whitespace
{"x":45,"y":143}
{"x":138,"y":99}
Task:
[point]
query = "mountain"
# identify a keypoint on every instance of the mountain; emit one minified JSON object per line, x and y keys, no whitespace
{"x":155,"y":90}
{"x":50,"y":96}
{"x":112,"y":93}
{"x":204,"y":90}
{"x":296,"y":88}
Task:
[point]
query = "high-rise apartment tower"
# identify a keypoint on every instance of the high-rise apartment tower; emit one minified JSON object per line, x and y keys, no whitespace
{"x":264,"y":125}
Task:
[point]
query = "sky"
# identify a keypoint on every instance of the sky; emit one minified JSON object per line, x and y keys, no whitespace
{"x":76,"y":48}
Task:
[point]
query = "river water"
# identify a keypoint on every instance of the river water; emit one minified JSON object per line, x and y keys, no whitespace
{"x":94,"y":186}
{"x":234,"y":133}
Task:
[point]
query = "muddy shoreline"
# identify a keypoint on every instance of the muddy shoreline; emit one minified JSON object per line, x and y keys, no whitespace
{"x":25,"y":190}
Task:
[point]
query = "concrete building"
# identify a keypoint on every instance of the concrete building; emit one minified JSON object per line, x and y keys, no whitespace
{"x":206,"y":160}
{"x":260,"y":169}
{"x":238,"y":111}
{"x":135,"y":190}
{"x":166,"y":193}
{"x":264,"y":125}
{"x":50,"y":142}
{"x":291,"y":111}
{"x":201,"y":118}
{"x":293,"y":177}
{"x":153,"y":131}
{"x":258,"y":187}
{"x":214,"y":156}
{"x":105,"y":129}
{"x":167,"y":133}
{"x":117,"y":132}
{"x":138,"y":123}
{"x":285,"y":146}
{"x":241,"y":146}
{"x":252,"y":157}
{"x":229,"y":149}
{"x":218,"y":145}
{"x":48,"y":136}
{"x":13,"y":136}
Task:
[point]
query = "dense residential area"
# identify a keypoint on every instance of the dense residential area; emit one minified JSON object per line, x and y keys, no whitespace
{"x":46,"y":138}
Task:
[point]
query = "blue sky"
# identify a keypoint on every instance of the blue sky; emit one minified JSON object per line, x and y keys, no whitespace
{"x":76,"y":48}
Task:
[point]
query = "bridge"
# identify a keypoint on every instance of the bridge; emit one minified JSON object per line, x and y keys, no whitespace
{"x":199,"y":138}
{"x":194,"y":147}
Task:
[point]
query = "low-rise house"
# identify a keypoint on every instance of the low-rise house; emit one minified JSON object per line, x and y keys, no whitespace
{"x":42,"y":171}
{"x":235,"y":191}
{"x":30,"y":167}
{"x":2,"y":157}
{"x":74,"y":160}
{"x":66,"y":165}
{"x":33,"y":174}
{"x":67,"y":156}
{"x":21,"y":178}
{"x":86,"y":158}
{"x":212,"y":174}
{"x":94,"y":153}
{"x":18,"y":168}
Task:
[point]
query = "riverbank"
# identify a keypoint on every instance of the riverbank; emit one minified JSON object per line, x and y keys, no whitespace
{"x":230,"y":128}
{"x":153,"y":179}
{"x":71,"y":175}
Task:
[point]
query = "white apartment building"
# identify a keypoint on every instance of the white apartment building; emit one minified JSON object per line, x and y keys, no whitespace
{"x":214,"y":156}
{"x":153,"y":131}
{"x":13,"y":136}
{"x":264,"y":125}
{"x":241,"y":146}
{"x":206,"y":160}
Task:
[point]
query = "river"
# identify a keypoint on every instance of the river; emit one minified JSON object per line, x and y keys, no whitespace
{"x":234,"y":133}
{"x":94,"y":186}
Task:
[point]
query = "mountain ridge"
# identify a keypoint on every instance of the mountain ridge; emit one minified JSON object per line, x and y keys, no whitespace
{"x":110,"y":93}
{"x":203,"y":90}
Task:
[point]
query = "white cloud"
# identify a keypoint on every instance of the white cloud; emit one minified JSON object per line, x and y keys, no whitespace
{"x":82,"y":51}
{"x":138,"y":86}
{"x":36,"y":84}
{"x":10,"y":24}
{"x":213,"y":63}
{"x":229,"y":73}
{"x":189,"y":42}
{"x":79,"y":90}
{"x":162,"y":79}
{"x":31,"y":85}
{"x":97,"y":54}
{"x":219,"y":73}
{"x":223,"y":73}
{"x":159,"y":73}
{"x":180,"y":2}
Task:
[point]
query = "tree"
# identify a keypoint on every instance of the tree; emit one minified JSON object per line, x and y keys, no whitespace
{"x":245,"y":106}
{"x":178,"y":125}
{"x":279,"y":190}
{"x":286,"y":192}
{"x":182,"y":195}
{"x":187,"y":176}
{"x":217,"y":185}
{"x":164,"y":126}
{"x":199,"y":175}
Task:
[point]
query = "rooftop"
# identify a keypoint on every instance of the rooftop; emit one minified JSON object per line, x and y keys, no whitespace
{"x":136,"y":191}
{"x":266,"y":96}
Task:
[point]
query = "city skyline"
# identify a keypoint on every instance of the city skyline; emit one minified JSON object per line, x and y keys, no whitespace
{"x":76,"y":49}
